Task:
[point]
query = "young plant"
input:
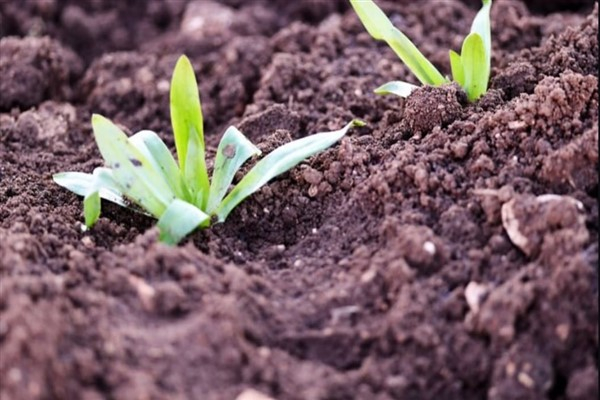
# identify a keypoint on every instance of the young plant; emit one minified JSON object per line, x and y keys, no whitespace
{"x":470,"y":69}
{"x":142,"y":174}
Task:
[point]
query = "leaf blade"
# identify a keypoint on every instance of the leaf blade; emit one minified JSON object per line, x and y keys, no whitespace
{"x":398,"y":88}
{"x":481,"y":25}
{"x":234,"y":149}
{"x":130,"y":168}
{"x":458,"y":72}
{"x":277,"y":162}
{"x":91,"y":208}
{"x":473,"y":60}
{"x":380,"y":27}
{"x":81,"y":184}
{"x":157,"y":152}
{"x":179,"y":219}
{"x":187,"y":120}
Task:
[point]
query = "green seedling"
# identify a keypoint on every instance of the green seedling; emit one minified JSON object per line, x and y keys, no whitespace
{"x":470,"y":68}
{"x":142,"y":174}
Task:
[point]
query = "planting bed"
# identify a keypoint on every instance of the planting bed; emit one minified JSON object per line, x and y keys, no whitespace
{"x":417,"y":259}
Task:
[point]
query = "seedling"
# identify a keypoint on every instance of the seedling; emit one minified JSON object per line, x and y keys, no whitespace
{"x":142,"y":174}
{"x":470,"y":69}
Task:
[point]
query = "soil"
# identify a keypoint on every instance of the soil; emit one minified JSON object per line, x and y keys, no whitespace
{"x":421,"y":258}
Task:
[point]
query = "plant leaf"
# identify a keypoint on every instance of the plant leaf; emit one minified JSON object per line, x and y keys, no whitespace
{"x":234,"y":149}
{"x":91,"y":208}
{"x":192,"y":175}
{"x":423,"y":69}
{"x":473,"y":61}
{"x":81,"y":184}
{"x":481,"y":25}
{"x":179,"y":219}
{"x":381,"y":28}
{"x":187,"y":122}
{"x":373,"y":18}
{"x":155,"y":150}
{"x":277,"y":162}
{"x":132,"y":171}
{"x":458,"y":73}
{"x":399,"y":88}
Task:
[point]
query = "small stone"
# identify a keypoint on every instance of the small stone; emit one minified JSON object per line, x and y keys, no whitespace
{"x":474,"y":295}
{"x":252,"y":394}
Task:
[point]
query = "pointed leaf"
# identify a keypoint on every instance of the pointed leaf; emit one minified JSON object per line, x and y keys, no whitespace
{"x":192,"y":175}
{"x":473,"y":60}
{"x":234,"y":149}
{"x":179,"y":219}
{"x":458,"y":73}
{"x":155,"y":150}
{"x":91,"y":208}
{"x":187,"y":122}
{"x":277,"y":162}
{"x":481,"y":25}
{"x":399,"y":88}
{"x":380,"y":28}
{"x":410,"y":55}
{"x":373,"y":18}
{"x":131,"y":169}
{"x":82,"y":184}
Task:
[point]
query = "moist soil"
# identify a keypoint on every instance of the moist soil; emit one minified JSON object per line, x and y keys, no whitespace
{"x":445,"y":251}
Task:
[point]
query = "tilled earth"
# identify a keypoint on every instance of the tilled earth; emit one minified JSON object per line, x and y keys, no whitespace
{"x":445,"y":251}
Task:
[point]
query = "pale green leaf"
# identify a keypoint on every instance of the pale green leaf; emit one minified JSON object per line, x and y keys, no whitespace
{"x":481,"y":25}
{"x":187,"y":122}
{"x":234,"y":149}
{"x":277,"y":162}
{"x":91,"y":208}
{"x":458,"y":73}
{"x":398,"y":88}
{"x":81,"y":184}
{"x":155,"y":150}
{"x":132,"y":171}
{"x":410,"y":55}
{"x":473,"y":61}
{"x":179,"y":219}
{"x":380,"y":28}
{"x":373,"y":18}
{"x":192,"y":175}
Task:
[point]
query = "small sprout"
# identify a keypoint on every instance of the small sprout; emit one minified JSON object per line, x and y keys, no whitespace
{"x":145,"y":177}
{"x":470,"y":69}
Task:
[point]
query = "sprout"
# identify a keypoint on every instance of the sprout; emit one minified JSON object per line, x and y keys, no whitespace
{"x":470,"y":69}
{"x":142,"y":174}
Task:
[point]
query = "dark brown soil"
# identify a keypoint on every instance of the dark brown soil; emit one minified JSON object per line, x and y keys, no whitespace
{"x":420,"y":258}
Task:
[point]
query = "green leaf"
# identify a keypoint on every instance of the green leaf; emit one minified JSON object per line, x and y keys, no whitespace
{"x":187,"y":122}
{"x":179,"y":219}
{"x":234,"y":149}
{"x":91,"y":208}
{"x":277,"y":162}
{"x":399,"y":88}
{"x":473,"y":61}
{"x":94,"y":186}
{"x":373,"y":18}
{"x":155,"y":150}
{"x":481,"y":25}
{"x":380,"y":28}
{"x":423,"y":69}
{"x":132,"y":171}
{"x":82,"y":184}
{"x":458,"y":73}
{"x":192,"y":175}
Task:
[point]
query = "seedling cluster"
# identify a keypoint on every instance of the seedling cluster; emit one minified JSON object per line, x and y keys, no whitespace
{"x":142,"y":174}
{"x":470,"y":68}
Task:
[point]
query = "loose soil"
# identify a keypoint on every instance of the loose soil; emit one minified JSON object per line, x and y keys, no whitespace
{"x":420,"y":258}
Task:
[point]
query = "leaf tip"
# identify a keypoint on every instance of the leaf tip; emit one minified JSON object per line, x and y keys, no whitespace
{"x":358,"y":123}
